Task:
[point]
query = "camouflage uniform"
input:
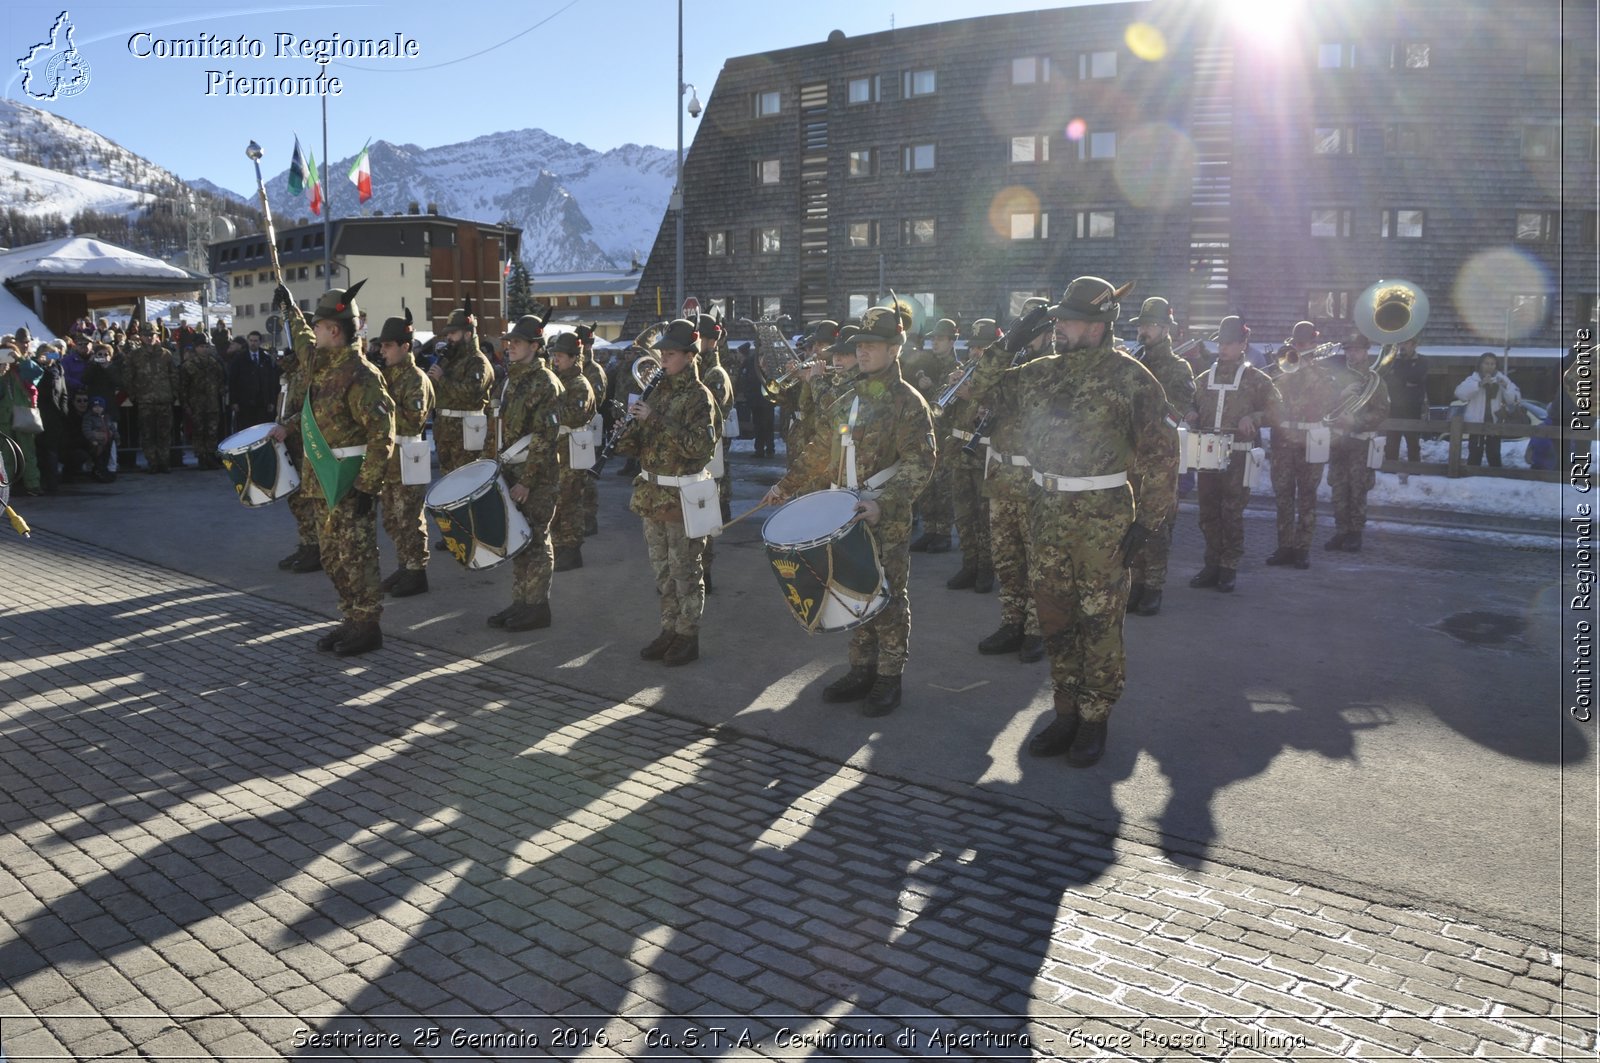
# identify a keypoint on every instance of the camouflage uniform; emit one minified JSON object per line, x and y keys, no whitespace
{"x":578,"y":408}
{"x":595,"y":374}
{"x":352,"y":407}
{"x":1148,"y":565}
{"x":1299,"y":399}
{"x":720,"y":385}
{"x":1349,"y":479}
{"x":204,"y":377}
{"x":971,"y":510}
{"x":531,"y":405}
{"x":1222,"y":491}
{"x":677,"y":439}
{"x":927,"y":373}
{"x":308,"y":509}
{"x":466,"y":382}
{"x":1007,"y":486}
{"x":153,"y":381}
{"x":1086,"y":413}
{"x":402,"y":503}
{"x":891,"y":425}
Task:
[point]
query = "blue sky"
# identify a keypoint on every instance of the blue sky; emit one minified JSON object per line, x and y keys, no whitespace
{"x":599,"y":72}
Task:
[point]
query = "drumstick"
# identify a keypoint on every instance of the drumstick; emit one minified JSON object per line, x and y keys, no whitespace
{"x":740,"y":517}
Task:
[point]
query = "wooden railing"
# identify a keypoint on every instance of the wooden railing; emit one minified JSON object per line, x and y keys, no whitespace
{"x":1456,"y":430}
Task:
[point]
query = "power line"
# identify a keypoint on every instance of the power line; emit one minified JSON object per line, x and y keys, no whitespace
{"x":459,"y":59}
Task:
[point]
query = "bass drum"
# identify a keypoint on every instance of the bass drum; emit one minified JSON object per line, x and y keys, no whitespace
{"x":826,"y":561}
{"x":258,"y":465}
{"x":480,"y":524}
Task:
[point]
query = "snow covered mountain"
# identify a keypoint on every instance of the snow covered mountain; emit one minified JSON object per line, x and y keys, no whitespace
{"x":578,"y":208}
{"x":55,"y":166}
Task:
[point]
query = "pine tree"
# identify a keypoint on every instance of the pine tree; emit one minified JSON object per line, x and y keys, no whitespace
{"x":519,"y":291}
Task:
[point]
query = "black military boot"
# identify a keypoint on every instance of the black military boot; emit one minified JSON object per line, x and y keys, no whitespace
{"x":310,"y":561}
{"x":568,"y":558}
{"x":294,"y":558}
{"x":1135,"y":592}
{"x":1088,"y":745}
{"x":884,"y":697}
{"x":412,"y":581}
{"x":591,"y":526}
{"x":1352,"y":543}
{"x":1057,"y":736}
{"x":705,"y":577}
{"x":1006,"y":639}
{"x":331,"y":639}
{"x":363,"y":638}
{"x":985,"y":580}
{"x":938,"y":544}
{"x":919,"y":545}
{"x":1302,"y":559}
{"x":854,"y":685}
{"x":1031,"y":650}
{"x":1225,"y":579}
{"x":529,"y":617}
{"x":1149,"y":603}
{"x":1206,"y":577}
{"x":499,"y":619}
{"x":684,"y":648}
{"x":1337,"y":542}
{"x":658,"y":646}
{"x":389,"y":581}
{"x":965,"y":579}
{"x":1282,"y":556}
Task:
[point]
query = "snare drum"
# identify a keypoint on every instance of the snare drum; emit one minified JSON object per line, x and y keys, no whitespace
{"x":826,"y":561}
{"x":472,"y":506}
{"x":1212,"y":450}
{"x":258,"y":465}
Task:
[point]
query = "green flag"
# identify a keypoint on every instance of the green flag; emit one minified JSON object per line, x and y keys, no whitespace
{"x":336,"y":475}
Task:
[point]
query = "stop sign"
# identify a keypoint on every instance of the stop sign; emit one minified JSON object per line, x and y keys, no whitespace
{"x":691,"y":308}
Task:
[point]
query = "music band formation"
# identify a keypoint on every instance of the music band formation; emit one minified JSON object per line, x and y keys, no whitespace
{"x":1052,"y":451}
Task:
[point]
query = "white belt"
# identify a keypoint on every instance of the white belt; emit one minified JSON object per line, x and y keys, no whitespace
{"x":873,"y":486}
{"x":1304,"y":426}
{"x":457,"y":413}
{"x":966,"y":437}
{"x":563,"y":431}
{"x":349,"y":452}
{"x":1009,"y":459}
{"x":1051,"y":482}
{"x":408,"y":439}
{"x":1242,"y":446}
{"x":675,"y":481}
{"x":1361,"y":435}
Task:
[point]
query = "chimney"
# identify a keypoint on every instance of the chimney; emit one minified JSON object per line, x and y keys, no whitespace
{"x":413,"y":208}
{"x":433,"y":208}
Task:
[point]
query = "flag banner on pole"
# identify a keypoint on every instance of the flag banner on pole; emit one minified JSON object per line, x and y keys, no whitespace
{"x":316,"y":182}
{"x":361,"y":174}
{"x":297,"y":171}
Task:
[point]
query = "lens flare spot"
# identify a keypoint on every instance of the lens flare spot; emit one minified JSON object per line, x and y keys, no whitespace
{"x":1145,"y":42}
{"x":1154,"y":166}
{"x":1010,"y":202}
{"x":1501,"y":290}
{"x":1076,"y":129}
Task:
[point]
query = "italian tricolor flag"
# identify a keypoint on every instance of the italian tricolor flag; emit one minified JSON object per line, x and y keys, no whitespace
{"x":361,"y":173}
{"x":316,"y":182}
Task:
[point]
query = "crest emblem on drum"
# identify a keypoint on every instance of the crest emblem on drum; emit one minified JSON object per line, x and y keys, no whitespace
{"x":786,"y":569}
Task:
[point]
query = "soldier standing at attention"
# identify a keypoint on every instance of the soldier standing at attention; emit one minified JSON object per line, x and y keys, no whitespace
{"x":720,"y":384}
{"x":971,"y":509}
{"x":530,"y":422}
{"x":347,"y":426}
{"x":595,"y":374}
{"x":1148,"y":563}
{"x":152,"y":379}
{"x":402,"y":503}
{"x":882,"y":423}
{"x":673,"y":435}
{"x":204,"y":376}
{"x":462,"y":382}
{"x":309,"y":509}
{"x":578,"y":408}
{"x":1103,"y":450}
{"x":929,"y":373}
{"x":1230,"y":397}
{"x":1349,"y":477}
{"x":1300,"y":397}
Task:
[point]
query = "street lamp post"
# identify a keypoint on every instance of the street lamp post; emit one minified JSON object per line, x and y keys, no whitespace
{"x":677,"y":189}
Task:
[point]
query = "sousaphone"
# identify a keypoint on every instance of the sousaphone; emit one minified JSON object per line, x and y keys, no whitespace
{"x":1389,"y":313}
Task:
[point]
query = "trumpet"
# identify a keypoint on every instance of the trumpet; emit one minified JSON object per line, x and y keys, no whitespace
{"x":1289,"y":358}
{"x":948,"y":395}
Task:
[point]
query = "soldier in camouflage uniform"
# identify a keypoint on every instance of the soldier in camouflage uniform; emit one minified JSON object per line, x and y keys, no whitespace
{"x":966,"y":473}
{"x":1103,"y":453}
{"x":929,"y":371}
{"x":595,"y":374}
{"x":1007,"y":487}
{"x":204,"y":377}
{"x":354,"y":418}
{"x":462,"y":382}
{"x":412,"y":393}
{"x":1349,"y":478}
{"x":578,"y":409}
{"x":1300,"y":397}
{"x":720,"y":384}
{"x":530,"y":409}
{"x":1148,"y":564}
{"x":153,"y":382}
{"x":309,"y":510}
{"x":673,"y":435}
{"x":886,"y":424}
{"x":1232,"y":396}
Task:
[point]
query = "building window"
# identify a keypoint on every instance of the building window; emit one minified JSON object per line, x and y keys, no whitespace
{"x":1325,"y":305}
{"x":768,"y":239}
{"x":866,"y":90}
{"x":1409,"y":55}
{"x":864,"y":163}
{"x":769,"y":307}
{"x":1405,"y":138}
{"x":594,"y":300}
{"x":717,"y":307}
{"x":1097,"y":224}
{"x":1530,"y":311}
{"x":1030,"y":70}
{"x":717,"y":243}
{"x":917,"y":232}
{"x":1016,"y":299}
{"x":859,"y":303}
{"x":768,"y":171}
{"x":1332,"y":221}
{"x":1402,"y":224}
{"x":264,"y":276}
{"x":765,"y":104}
{"x":918,"y":83}
{"x":1030,"y":225}
{"x":1102,"y":145}
{"x":863,"y":234}
{"x":1541,"y":141}
{"x":1336,"y":55}
{"x":1537,"y":226}
{"x":1586,"y":309}
{"x":929,"y":305}
{"x":1030,"y":149}
{"x":1333,"y":140}
{"x":319,"y":270}
{"x":916,"y":158}
{"x":1097,"y":65}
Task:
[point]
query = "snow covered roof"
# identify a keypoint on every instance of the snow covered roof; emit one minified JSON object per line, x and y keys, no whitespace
{"x":14,"y":314}
{"x":82,"y":262}
{"x":591,"y":282}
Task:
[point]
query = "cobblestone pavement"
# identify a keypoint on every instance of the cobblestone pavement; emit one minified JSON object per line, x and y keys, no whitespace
{"x":220,"y":844}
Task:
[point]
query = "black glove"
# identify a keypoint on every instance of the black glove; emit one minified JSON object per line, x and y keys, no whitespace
{"x":364,"y":500}
{"x":1132,"y":539}
{"x":282,"y":298}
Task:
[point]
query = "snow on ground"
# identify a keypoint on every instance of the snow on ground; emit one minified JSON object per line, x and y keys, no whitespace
{"x":35,"y":190}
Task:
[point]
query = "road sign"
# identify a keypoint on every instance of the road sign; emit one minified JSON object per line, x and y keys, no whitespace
{"x":691,"y":308}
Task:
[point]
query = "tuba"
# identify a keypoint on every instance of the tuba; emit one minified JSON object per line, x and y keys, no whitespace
{"x":1388,"y":313}
{"x":779,"y":362}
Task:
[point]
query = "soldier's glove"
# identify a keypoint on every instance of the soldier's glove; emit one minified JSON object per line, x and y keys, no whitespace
{"x":364,"y":499}
{"x":1132,"y":540}
{"x":282,"y":299}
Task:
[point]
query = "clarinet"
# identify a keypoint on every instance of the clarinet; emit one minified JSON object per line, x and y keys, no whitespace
{"x":1030,"y":327}
{"x":621,"y":426}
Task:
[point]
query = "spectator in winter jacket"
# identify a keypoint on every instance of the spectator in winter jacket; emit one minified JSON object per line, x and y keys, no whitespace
{"x":1490,"y":398}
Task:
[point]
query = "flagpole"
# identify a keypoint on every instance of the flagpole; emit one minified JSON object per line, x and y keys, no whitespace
{"x":327,"y":204}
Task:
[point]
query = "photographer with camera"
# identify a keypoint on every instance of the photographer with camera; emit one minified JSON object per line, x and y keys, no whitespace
{"x":1490,"y":398}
